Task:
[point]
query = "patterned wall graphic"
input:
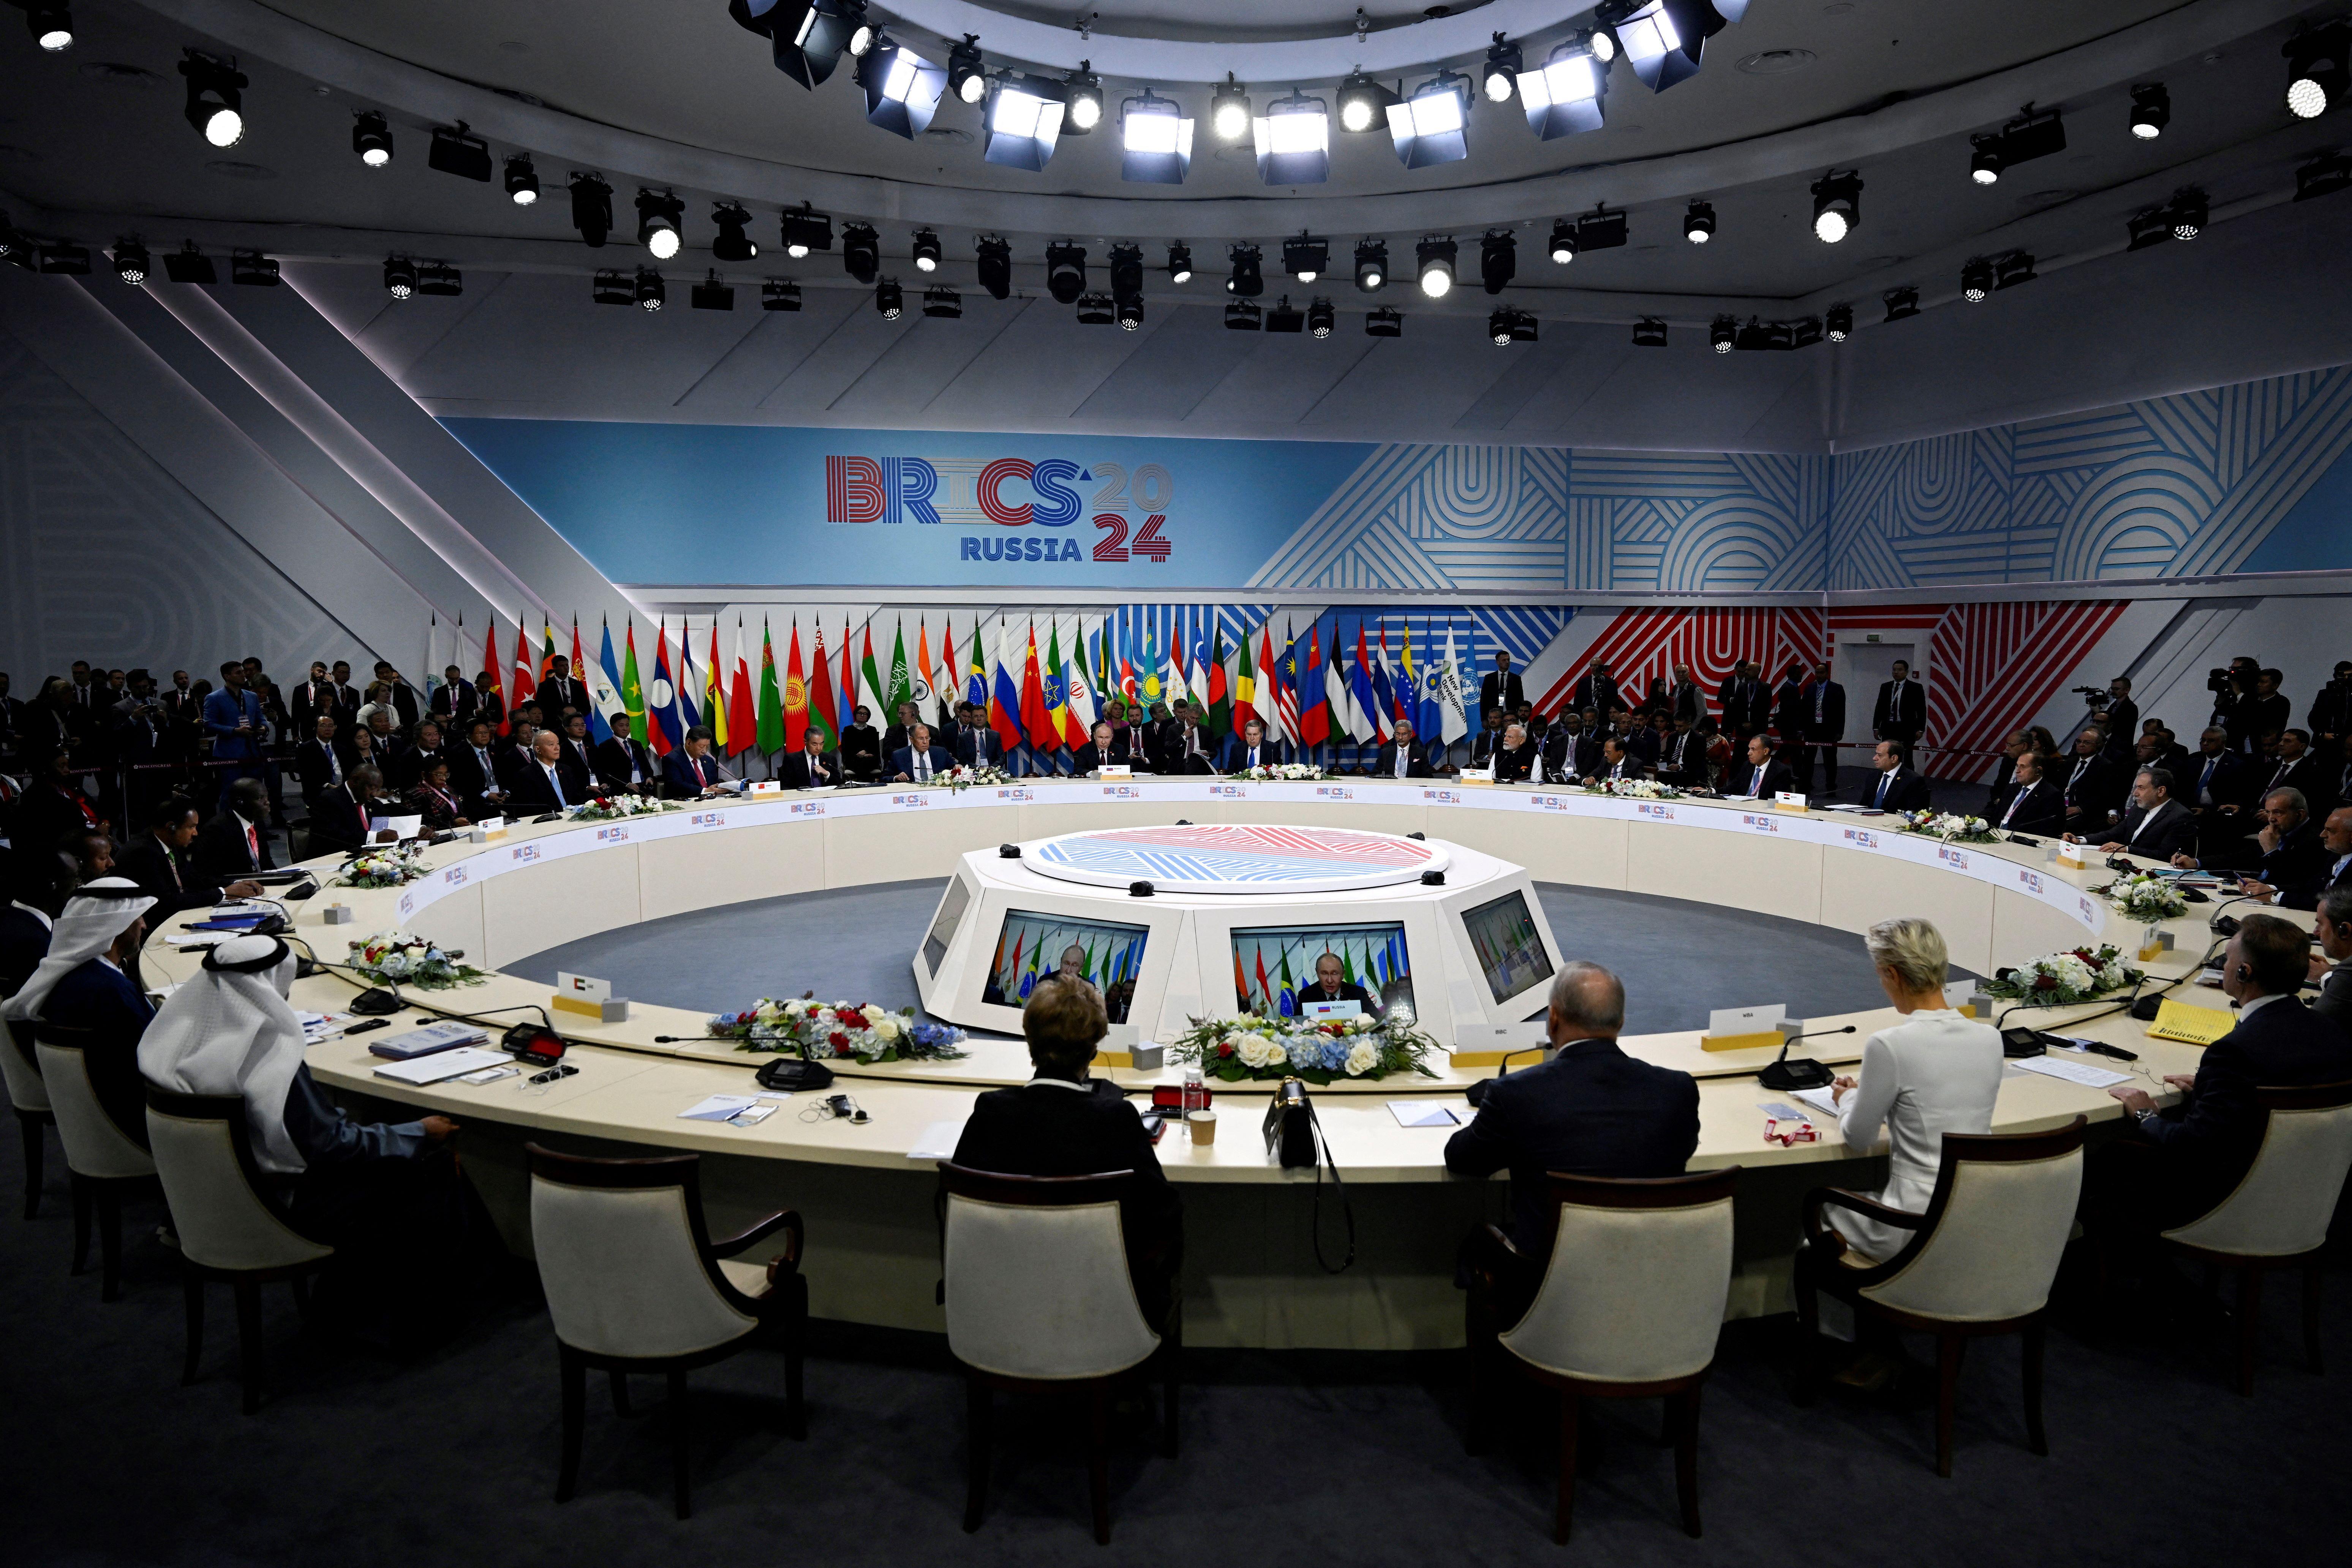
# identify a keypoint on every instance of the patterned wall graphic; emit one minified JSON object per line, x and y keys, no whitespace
{"x":1695,"y":522}
{"x":1474,"y":518}
{"x":1642,"y":644}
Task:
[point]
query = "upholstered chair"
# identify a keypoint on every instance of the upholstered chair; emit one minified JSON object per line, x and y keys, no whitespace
{"x":28,"y":1097}
{"x":102,"y":1158}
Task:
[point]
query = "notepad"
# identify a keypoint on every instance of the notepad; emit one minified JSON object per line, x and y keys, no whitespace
{"x":2072,"y":1073}
{"x":1423,"y":1113}
{"x":938,"y":1141}
{"x":439,"y":1066}
{"x":2192,"y":1026}
{"x":718,"y":1108}
{"x":1822,"y":1100}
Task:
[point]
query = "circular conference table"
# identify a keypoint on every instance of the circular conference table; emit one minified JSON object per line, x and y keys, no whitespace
{"x":1251,"y":1276}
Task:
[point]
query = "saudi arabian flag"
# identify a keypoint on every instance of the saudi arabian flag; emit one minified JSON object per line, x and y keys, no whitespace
{"x":633,"y":690}
{"x":901,"y":689}
{"x":772,"y":700}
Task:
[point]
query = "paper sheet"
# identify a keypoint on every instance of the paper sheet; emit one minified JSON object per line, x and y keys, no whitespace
{"x":718,"y":1108}
{"x":1818,"y":1099}
{"x":1423,"y":1113}
{"x":441,"y":1065}
{"x":2072,"y":1073}
{"x":938,"y":1141}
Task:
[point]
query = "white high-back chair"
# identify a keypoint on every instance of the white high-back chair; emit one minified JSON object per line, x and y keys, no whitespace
{"x":227,"y":1226}
{"x":102,"y":1158}
{"x":1629,"y":1307}
{"x":1040,"y":1298}
{"x":2277,"y":1215}
{"x":634,"y":1283}
{"x":27,"y":1096}
{"x":1980,"y":1260}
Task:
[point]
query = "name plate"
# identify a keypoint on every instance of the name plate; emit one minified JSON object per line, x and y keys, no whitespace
{"x":1116,"y":771}
{"x":1476,"y":775}
{"x":1769,"y":1040}
{"x":1788,"y":800}
{"x":766,"y":786}
{"x":2079,"y":855}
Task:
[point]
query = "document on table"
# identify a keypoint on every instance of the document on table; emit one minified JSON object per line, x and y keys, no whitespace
{"x":1822,"y":1100}
{"x":719,"y":1108}
{"x":2072,"y":1073}
{"x":938,"y":1141}
{"x":1423,"y":1113}
{"x":421,"y":1070}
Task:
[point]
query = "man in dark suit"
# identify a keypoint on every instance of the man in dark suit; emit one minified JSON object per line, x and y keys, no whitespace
{"x":2332,"y":925}
{"x":1901,"y":714}
{"x":861,"y":744}
{"x":1064,"y":1123}
{"x":2086,"y":787}
{"x":976,"y":744}
{"x":546,"y":782}
{"x":1134,"y":733}
{"x":2297,"y":768}
{"x":1164,"y":741}
{"x":2214,"y":786}
{"x":1333,"y":984}
{"x":1105,"y":747}
{"x":1894,"y":784}
{"x":2157,"y":826}
{"x":812,"y":767}
{"x":1489,"y":738}
{"x":896,"y":735}
{"x":1762,"y":776}
{"x":2033,"y":804}
{"x":310,"y":698}
{"x":347,"y":696}
{"x":1682,"y":759}
{"x":2118,"y":720}
{"x":340,"y":816}
{"x":621,"y":761}
{"x":576,"y":748}
{"x":1597,"y":691}
{"x":1689,"y":698}
{"x":321,"y":761}
{"x":474,"y":771}
{"x":425,"y":748}
{"x":454,"y":700}
{"x":1592,"y":1111}
{"x":1820,"y":725}
{"x":157,"y":862}
{"x":1250,"y":748}
{"x":1499,"y":690}
{"x":1517,"y":759}
{"x":1737,"y":700}
{"x":691,"y":772}
{"x":919,"y":760}
{"x":2335,"y":855}
{"x":2294,"y":862}
{"x":562,"y":690}
{"x":1403,"y":757}
{"x":1617,"y":760}
{"x":2331,"y":711}
{"x":516,"y":758}
{"x":235,"y":842}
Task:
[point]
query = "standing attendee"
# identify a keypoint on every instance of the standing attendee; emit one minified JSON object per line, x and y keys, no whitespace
{"x":1820,"y":720}
{"x":1894,"y":784}
{"x":1597,"y":691}
{"x":454,"y":700}
{"x":1901,"y":712}
{"x":1500,"y":689}
{"x":238,"y":731}
{"x":2295,"y":767}
{"x":2119,"y":719}
{"x":401,"y":696}
{"x":2330,"y":718}
{"x":346,"y":695}
{"x":562,"y":690}
{"x":1689,"y":698}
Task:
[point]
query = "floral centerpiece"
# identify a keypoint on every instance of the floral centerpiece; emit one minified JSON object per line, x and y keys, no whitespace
{"x":803,"y":1026}
{"x":1282,"y":772}
{"x":396,"y":960}
{"x":1632,"y":789}
{"x":612,"y":807}
{"x":2056,"y":979}
{"x":1250,"y":1047}
{"x":2147,"y":898}
{"x":388,"y":866}
{"x":1950,"y":826}
{"x":962,"y":779}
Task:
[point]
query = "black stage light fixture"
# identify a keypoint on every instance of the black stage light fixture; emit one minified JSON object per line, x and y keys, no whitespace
{"x":1985,"y":162}
{"x":255,"y":271}
{"x":1663,"y":39}
{"x":1839,"y":322}
{"x":780,"y":294}
{"x":1285,"y":317}
{"x":1131,"y":314}
{"x":2012,"y":269}
{"x":522,"y":180}
{"x":1082,"y":92}
{"x":591,"y":209}
{"x":1649,"y":333}
{"x":806,"y":230}
{"x":1805,"y":333}
{"x":1363,"y":104}
{"x":216,"y":104}
{"x":399,"y":277}
{"x":1371,"y":265}
{"x":1722,"y":333}
{"x":1499,"y":325}
{"x":66,"y":259}
{"x":1065,"y":271}
{"x":942,"y":304}
{"x":2151,"y":110}
{"x":2322,"y":176}
{"x":2148,"y":229}
{"x":902,"y":87}
{"x":925,"y":250}
{"x":1387,"y":321}
{"x":131,"y":260}
{"x":1523,"y":326}
{"x":614,"y":289}
{"x":1976,"y":280}
{"x":1023,"y":121}
{"x":454,"y":152}
{"x":1126,"y":272}
{"x":1837,"y":206}
{"x":651,"y":293}
{"x":1294,"y":140}
{"x":1229,"y":110}
{"x":1564,"y":97}
{"x":1095,"y":311}
{"x":1155,"y":140}
{"x":1242,"y":316}
{"x":1433,"y":126}
{"x":967,"y":71}
{"x":995,"y":265}
{"x":1504,"y":66}
{"x":1433,"y":260}
{"x":809,"y":36}
{"x":734,"y":242}
{"x":438,"y":277}
{"x":50,"y":24}
{"x":2023,"y":139}
{"x":2189,"y":213}
{"x":1902,"y":304}
{"x":711,"y":294}
{"x":371,"y":139}
{"x":2315,"y":68}
{"x":861,"y":251}
{"x":1499,"y":259}
{"x":1764,"y":336}
{"x":1321,"y":317}
{"x":1247,"y":279}
{"x":189,"y":265}
{"x":1562,"y":249}
{"x":661,"y":216}
{"x":889,"y":299}
{"x":1180,"y":263}
{"x":1698,"y":223}
{"x":1306,"y":258}
{"x":1600,"y":229}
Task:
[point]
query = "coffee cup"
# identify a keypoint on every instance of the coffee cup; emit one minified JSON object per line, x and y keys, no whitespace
{"x":1202,"y":1125}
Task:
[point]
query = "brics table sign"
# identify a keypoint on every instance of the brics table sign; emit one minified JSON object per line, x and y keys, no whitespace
{"x":1045,"y":499}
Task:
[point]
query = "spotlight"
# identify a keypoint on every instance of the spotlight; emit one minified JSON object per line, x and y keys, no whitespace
{"x":1084,"y":91}
{"x":1284,"y":317}
{"x":1499,"y":259}
{"x":1984,"y":163}
{"x":1839,"y":322}
{"x":1722,"y":333}
{"x":591,"y":209}
{"x":1321,"y":317}
{"x":943,"y":304}
{"x":1241,"y":316}
{"x":650,"y":291}
{"x":711,"y":294}
{"x":2151,"y":110}
{"x":1902,"y":304}
{"x":734,"y":242}
{"x":1434,"y":260}
{"x":902,"y":87}
{"x":435,"y":278}
{"x":255,"y":271}
{"x":1023,"y":121}
{"x":1805,"y":334}
{"x":809,"y":36}
{"x":2021,"y":141}
{"x":1094,"y":310}
{"x":1065,"y":271}
{"x":2188,"y":213}
{"x":806,"y":230}
{"x":780,"y":294}
{"x":1363,"y":104}
{"x":1245,"y":279}
{"x":65,"y":259}
{"x":371,"y":139}
{"x":861,"y":251}
{"x":1652,"y":42}
{"x":2322,"y":176}
{"x":1601,"y":42}
{"x":453,"y":152}
{"x":614,"y":289}
{"x":1649,"y":333}
{"x":1564,"y":97}
{"x":1837,"y":206}
{"x":216,"y":96}
{"x":1698,"y":223}
{"x":1976,"y":280}
{"x":2148,"y":228}
{"x":51,"y":25}
{"x":926,"y":250}
{"x":1306,"y":258}
{"x":1180,"y":264}
{"x":658,"y":216}
{"x":399,"y":277}
{"x":189,"y":265}
{"x":131,"y":261}
{"x":1131,"y":314}
{"x":995,"y":265}
{"x":1599,"y":229}
{"x":2315,"y":68}
{"x":1371,"y":265}
{"x":2012,"y":269}
{"x":967,"y":73}
{"x":1294,"y":140}
{"x":1432,"y":127}
{"x":1563,"y":242}
{"x":1384,"y":323}
{"x":1503,"y":67}
{"x":522,"y":180}
{"x":1229,"y":110}
{"x":1156,"y":140}
{"x":1500,"y":325}
{"x":1126,"y":272}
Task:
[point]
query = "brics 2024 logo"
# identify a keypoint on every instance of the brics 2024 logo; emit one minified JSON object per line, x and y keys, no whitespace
{"x":1128,"y":512}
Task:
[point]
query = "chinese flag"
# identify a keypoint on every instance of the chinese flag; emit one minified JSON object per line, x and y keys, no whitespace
{"x":1043,"y":733}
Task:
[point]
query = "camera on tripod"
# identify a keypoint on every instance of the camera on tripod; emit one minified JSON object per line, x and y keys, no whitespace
{"x":2097,"y":696}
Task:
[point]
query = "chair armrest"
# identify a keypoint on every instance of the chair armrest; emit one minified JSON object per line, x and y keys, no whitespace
{"x":785,"y":1220}
{"x":1869,"y":1208}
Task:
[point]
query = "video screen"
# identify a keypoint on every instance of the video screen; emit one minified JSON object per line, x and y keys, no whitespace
{"x":1282,"y":971}
{"x":1510,"y":950}
{"x":943,"y":924}
{"x":1107,"y":955}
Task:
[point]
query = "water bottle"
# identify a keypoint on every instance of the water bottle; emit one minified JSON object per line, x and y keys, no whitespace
{"x":1196,"y":1098}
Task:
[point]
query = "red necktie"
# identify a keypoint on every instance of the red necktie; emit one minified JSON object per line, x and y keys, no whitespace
{"x":253,"y":847}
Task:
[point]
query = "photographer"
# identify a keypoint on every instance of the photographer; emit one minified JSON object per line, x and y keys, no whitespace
{"x":2119,"y":718}
{"x":2331,"y":711}
{"x":2232,"y":689}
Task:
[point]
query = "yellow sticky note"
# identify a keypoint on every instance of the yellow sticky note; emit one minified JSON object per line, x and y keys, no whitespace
{"x":2192,"y":1026}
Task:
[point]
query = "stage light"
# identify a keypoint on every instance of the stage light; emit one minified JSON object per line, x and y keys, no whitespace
{"x":1023,"y":121}
{"x":453,"y":152}
{"x":1499,"y":259}
{"x":2151,"y":110}
{"x":1282,"y":317}
{"x":658,"y":216}
{"x":2188,"y":213}
{"x":1241,"y":316}
{"x":12,"y":244}
{"x":1649,"y":333}
{"x":1804,"y":334}
{"x":1698,"y":223}
{"x":1564,"y":97}
{"x":967,"y":72}
{"x":1652,"y":41}
{"x":942,"y":304}
{"x":734,"y":242}
{"x":1180,"y":264}
{"x":611,"y":287}
{"x":861,"y":251}
{"x":651,"y":292}
{"x":1065,"y":271}
{"x":780,"y":294}
{"x":522,"y":180}
{"x":215,"y":98}
{"x":1498,"y":326}
{"x":2315,"y":68}
{"x":255,"y":270}
{"x":1082,"y":92}
{"x":66,"y":260}
{"x":1126,"y":272}
{"x":1601,"y":42}
{"x":1504,"y":66}
{"x":806,"y":230}
{"x":1306,"y":258}
{"x":1094,"y":310}
{"x":131,"y":261}
{"x":1321,"y":317}
{"x":371,"y":139}
{"x":1155,"y":140}
{"x":926,"y":250}
{"x":1976,"y":280}
{"x":1599,"y":229}
{"x":1131,"y":314}
{"x":711,"y":294}
{"x":2020,"y":141}
{"x":809,"y":36}
{"x":51,"y":25}
{"x":1837,"y":206}
{"x":995,"y":265}
{"x":1984,"y":162}
{"x":1371,"y":265}
{"x":1384,"y":323}
{"x":591,"y":209}
{"x":399,"y":277}
{"x":436,"y":277}
{"x":902,"y":87}
{"x":1839,"y":321}
{"x":1722,"y":334}
{"x":1902,"y":304}
{"x":2322,"y":176}
{"x":1229,"y":110}
{"x":189,"y":265}
{"x":1294,"y":140}
{"x":1433,"y":260}
{"x":2148,"y":228}
{"x":2012,"y":269}
{"x":1433,"y":126}
{"x":1363,"y":104}
{"x":1562,"y":249}
{"x":1246,"y":277}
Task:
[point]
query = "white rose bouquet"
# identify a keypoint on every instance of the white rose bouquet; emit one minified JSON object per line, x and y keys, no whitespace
{"x":388,"y":866}
{"x":2059,"y":979}
{"x":803,"y":1026}
{"x":1632,"y":789}
{"x":1286,"y":773}
{"x":2147,"y":898}
{"x":613,"y":807}
{"x":395,"y":959}
{"x":962,"y":779}
{"x":1950,"y":826}
{"x":1249,"y":1047}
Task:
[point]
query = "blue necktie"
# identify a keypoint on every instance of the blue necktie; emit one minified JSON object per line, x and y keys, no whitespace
{"x":555,"y":779}
{"x":1883,"y":780}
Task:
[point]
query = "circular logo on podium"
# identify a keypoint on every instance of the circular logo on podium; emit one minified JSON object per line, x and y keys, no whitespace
{"x":1235,"y":857}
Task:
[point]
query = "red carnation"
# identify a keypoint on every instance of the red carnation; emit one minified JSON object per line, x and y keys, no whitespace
{"x":2045,"y":982}
{"x":837,"y":1040}
{"x":1226,"y":1050}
